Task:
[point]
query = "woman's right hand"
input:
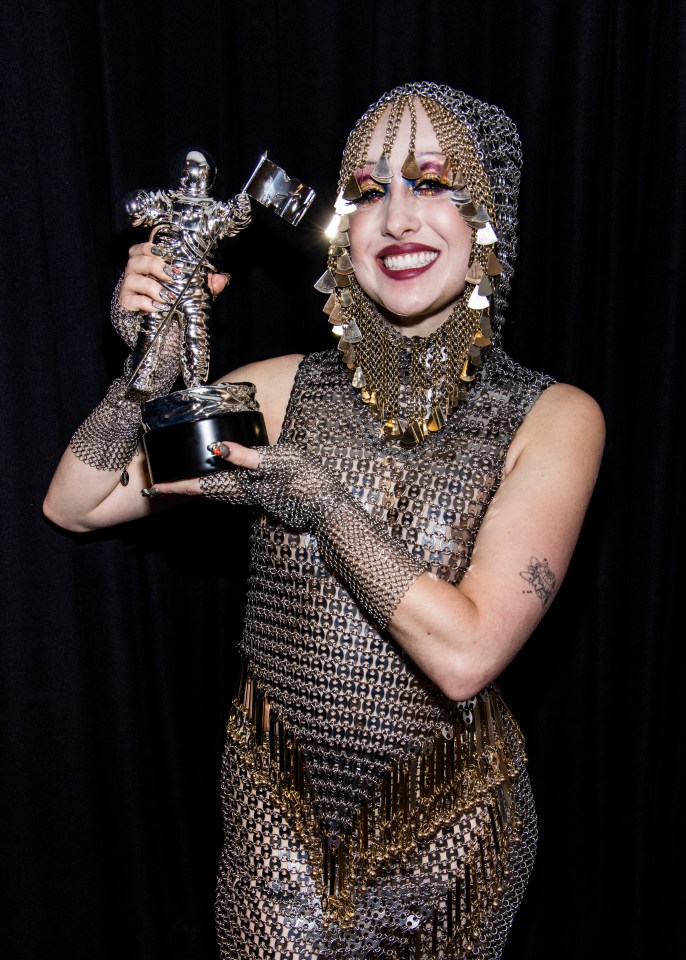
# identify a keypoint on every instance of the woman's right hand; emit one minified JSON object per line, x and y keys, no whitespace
{"x":146,"y":274}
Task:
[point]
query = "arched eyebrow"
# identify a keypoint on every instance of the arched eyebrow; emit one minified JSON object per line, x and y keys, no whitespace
{"x":431,"y":162}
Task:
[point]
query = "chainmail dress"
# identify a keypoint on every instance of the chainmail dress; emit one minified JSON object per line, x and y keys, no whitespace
{"x":367,"y":815}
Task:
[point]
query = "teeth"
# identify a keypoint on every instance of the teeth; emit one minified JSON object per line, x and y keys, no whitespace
{"x":410,"y":261}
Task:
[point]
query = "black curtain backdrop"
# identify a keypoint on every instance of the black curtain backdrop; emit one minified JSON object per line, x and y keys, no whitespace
{"x":117,"y":656}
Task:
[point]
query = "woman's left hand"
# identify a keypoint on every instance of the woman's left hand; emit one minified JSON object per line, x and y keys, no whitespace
{"x":286,"y":482}
{"x":234,"y":453}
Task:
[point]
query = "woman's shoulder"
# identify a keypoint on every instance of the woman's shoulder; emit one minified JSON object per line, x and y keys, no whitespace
{"x":274,"y":368}
{"x":563,"y":401}
{"x":281,"y":371}
{"x":548,"y":404}
{"x":563,"y":419}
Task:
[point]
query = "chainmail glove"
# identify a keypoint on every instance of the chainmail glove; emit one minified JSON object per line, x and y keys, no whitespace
{"x":126,"y":322}
{"x":227,"y":486}
{"x":292,"y":486}
{"x":374,"y":565}
{"x":108,"y":438}
{"x":288,"y":484}
{"x":306,"y":495}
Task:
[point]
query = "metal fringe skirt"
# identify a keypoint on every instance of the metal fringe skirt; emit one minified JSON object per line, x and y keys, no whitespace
{"x":435,"y":868}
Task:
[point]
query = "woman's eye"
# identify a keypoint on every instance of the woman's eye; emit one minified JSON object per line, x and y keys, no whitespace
{"x":430,"y":187}
{"x":370,"y":195}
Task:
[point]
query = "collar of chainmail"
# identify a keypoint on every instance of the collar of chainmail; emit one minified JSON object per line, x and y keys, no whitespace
{"x":412,"y":384}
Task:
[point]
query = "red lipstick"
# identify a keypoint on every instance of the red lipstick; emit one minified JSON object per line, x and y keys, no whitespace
{"x":418,"y":265}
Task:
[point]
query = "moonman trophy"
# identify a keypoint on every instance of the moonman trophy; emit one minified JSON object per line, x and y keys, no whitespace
{"x":187,"y":224}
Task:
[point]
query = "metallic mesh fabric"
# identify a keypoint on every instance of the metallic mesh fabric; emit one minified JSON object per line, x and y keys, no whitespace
{"x":109,"y":436}
{"x":125,"y":322}
{"x":303,"y":494}
{"x":367,"y":815}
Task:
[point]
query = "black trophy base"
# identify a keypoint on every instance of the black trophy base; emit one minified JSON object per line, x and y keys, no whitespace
{"x":180,"y":450}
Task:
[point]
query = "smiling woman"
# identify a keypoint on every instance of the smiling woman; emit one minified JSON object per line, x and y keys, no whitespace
{"x":414,"y":521}
{"x":409,"y":244}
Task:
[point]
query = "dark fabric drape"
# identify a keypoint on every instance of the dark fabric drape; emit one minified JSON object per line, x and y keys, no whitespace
{"x":117,"y":649}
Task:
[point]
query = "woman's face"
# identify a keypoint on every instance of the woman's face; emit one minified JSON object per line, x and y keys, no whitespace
{"x":408,"y":243}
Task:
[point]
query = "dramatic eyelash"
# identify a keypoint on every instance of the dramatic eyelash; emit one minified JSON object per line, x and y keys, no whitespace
{"x":433,"y":182}
{"x":370,"y":193}
{"x":427,"y":185}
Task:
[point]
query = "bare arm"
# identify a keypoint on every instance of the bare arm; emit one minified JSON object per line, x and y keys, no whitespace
{"x":463,"y":637}
{"x":81,"y":498}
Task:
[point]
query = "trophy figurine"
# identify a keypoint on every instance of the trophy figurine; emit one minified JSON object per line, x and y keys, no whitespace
{"x":188,"y":223}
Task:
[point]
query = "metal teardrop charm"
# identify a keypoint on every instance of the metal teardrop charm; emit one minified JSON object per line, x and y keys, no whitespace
{"x":352,"y":190}
{"x":486,"y":235}
{"x":359,"y":379}
{"x":352,"y":332}
{"x":485,"y":286}
{"x":475,"y":214}
{"x":330,"y":304}
{"x":436,"y":421}
{"x":340,"y":240}
{"x":493,"y":267}
{"x":475,"y":273}
{"x":344,"y":264}
{"x":412,"y":435}
{"x":410,"y":168}
{"x":382,"y":172}
{"x":326,"y":283}
{"x":477,"y":301}
{"x":391,"y":427}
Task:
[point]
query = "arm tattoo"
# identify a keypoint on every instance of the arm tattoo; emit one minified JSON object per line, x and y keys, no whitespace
{"x":541,"y":578}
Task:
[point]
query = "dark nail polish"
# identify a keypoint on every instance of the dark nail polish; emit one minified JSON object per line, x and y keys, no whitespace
{"x":219,"y":449}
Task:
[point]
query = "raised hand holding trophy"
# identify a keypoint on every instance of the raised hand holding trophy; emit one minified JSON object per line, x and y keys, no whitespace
{"x":187,"y":224}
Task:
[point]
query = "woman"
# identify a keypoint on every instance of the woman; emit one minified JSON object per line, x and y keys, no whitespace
{"x":416,"y":518}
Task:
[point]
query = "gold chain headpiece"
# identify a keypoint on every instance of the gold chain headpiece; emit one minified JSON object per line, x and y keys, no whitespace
{"x":412,"y":385}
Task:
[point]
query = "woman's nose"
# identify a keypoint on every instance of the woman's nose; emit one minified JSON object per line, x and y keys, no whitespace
{"x":400,"y":213}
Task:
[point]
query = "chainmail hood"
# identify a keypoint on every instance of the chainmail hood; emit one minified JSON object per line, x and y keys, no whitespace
{"x":496,"y":142}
